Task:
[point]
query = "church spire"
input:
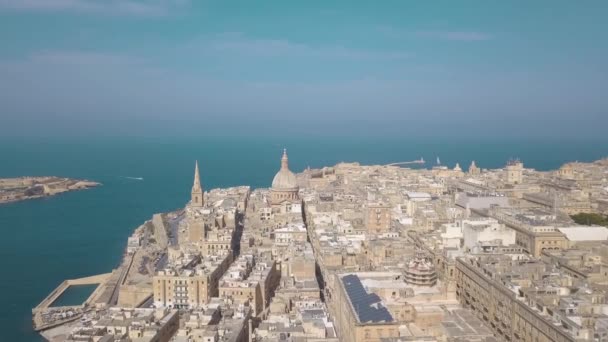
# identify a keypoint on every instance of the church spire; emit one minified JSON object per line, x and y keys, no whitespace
{"x":473,"y":169}
{"x":197,"y":178}
{"x":284,"y":160}
{"x":196,"y":199}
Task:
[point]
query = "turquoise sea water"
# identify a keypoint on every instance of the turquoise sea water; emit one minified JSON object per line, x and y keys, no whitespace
{"x":83,"y":233}
{"x":75,"y":295}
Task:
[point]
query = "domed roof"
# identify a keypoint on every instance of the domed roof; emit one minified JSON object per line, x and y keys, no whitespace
{"x":284,"y":179}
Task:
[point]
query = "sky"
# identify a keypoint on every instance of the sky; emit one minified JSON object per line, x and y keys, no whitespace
{"x":123,"y":67}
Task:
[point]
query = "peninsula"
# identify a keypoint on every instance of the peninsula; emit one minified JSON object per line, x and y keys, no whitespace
{"x":24,"y":188}
{"x":363,"y":253}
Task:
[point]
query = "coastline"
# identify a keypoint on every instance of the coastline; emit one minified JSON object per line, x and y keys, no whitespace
{"x":28,"y":188}
{"x":128,"y":204}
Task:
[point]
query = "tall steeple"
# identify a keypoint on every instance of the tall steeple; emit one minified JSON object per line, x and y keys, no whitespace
{"x":284,"y":160}
{"x":197,"y":199}
{"x":473,"y":169}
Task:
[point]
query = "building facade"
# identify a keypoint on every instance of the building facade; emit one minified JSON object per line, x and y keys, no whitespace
{"x":189,"y":287}
{"x":377,"y":218}
{"x":503,"y":309}
{"x":361,"y":316}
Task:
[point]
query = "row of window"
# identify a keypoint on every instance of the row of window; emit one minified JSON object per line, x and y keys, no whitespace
{"x":179,"y":282}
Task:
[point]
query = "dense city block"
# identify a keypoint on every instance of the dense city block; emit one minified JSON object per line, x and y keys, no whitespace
{"x":362,"y":253}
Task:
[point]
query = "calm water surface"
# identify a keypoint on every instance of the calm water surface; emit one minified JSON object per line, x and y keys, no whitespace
{"x":75,"y":295}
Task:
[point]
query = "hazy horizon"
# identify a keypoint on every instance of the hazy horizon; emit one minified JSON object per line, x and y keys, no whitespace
{"x":180,"y":67}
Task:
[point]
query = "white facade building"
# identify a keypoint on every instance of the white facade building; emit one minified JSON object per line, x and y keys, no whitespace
{"x":479,"y":232}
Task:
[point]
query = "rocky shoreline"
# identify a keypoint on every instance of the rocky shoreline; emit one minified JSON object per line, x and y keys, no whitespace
{"x":25,"y":188}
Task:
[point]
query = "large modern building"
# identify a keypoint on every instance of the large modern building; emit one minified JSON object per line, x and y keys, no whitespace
{"x":504,"y":294}
{"x":361,"y":316}
{"x":535,"y":229}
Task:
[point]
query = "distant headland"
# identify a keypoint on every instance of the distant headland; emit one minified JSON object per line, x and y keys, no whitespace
{"x":24,"y":188}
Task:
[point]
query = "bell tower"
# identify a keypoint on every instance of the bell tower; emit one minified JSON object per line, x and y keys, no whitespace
{"x":196,"y":196}
{"x":515,"y":170}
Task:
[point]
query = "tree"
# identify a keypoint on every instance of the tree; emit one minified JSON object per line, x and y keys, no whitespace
{"x":590,"y":219}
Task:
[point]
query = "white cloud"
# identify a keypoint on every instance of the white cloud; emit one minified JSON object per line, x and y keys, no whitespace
{"x":238,"y":44}
{"x":451,"y":35}
{"x":121,"y":7}
{"x":81,"y":58}
{"x":465,"y":36}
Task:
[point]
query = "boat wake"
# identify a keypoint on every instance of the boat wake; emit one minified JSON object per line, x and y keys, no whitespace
{"x":133,"y":178}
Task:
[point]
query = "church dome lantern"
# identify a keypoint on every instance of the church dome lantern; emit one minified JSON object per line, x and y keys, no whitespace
{"x":284,"y":179}
{"x":284,"y":184}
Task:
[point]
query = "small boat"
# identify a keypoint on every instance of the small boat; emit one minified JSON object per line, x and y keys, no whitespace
{"x":134,"y":178}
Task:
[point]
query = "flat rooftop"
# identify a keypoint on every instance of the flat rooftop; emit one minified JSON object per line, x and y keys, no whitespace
{"x":368,"y":306}
{"x":595,"y":233}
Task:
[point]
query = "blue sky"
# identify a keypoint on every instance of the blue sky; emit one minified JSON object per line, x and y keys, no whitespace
{"x":121,"y":66}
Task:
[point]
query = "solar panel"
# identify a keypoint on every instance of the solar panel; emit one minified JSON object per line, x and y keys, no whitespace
{"x":368,"y":306}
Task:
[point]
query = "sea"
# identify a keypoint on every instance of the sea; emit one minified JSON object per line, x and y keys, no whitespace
{"x":82,"y":233}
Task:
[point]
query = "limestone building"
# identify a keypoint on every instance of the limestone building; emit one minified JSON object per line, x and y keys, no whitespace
{"x":420,"y":272}
{"x":361,"y":316}
{"x":249,"y":282}
{"x":535,"y":229}
{"x":218,"y":322}
{"x":515,"y":171}
{"x":525,"y":300}
{"x":566,"y":171}
{"x":481,"y":234}
{"x":289,"y":234}
{"x":473,"y":169}
{"x":284,"y":191}
{"x":197,"y":199}
{"x":190,"y":286}
{"x":377,"y":218}
{"x":120,"y":324}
